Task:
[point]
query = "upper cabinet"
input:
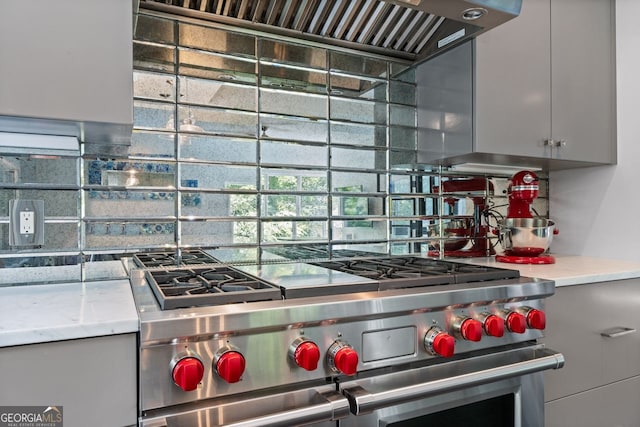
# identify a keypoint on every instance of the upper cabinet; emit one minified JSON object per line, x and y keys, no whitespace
{"x":538,"y":90}
{"x":66,"y":69}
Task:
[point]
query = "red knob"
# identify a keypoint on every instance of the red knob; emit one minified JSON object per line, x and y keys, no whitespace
{"x":230,"y":366}
{"x":444,"y":344}
{"x":494,"y":326}
{"x":187,"y":373}
{"x":516,"y":322}
{"x":346,"y":360}
{"x":471,"y":330}
{"x":307,"y":355}
{"x":536,"y":319}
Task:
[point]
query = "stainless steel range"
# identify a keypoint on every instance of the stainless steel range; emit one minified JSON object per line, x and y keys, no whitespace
{"x":377,"y":341}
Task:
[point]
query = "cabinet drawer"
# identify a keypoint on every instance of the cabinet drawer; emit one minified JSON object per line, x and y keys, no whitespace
{"x":93,"y":379}
{"x":611,"y":405}
{"x":577,"y":317}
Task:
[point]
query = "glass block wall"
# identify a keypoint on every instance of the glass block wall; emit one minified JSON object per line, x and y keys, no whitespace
{"x":254,"y":148}
{"x":271,"y":145}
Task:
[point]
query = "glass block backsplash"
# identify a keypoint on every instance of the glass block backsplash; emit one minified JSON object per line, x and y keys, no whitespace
{"x":247,"y":145}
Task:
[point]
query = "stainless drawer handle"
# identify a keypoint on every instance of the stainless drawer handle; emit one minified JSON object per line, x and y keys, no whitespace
{"x":327,"y":406}
{"x":618,"y":331}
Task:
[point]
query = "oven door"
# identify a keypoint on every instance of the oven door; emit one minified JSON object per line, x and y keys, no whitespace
{"x":501,"y":389}
{"x":317,"y":406}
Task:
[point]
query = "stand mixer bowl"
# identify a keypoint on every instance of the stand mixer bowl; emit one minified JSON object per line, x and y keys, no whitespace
{"x":526,"y":236}
{"x":455,"y":234}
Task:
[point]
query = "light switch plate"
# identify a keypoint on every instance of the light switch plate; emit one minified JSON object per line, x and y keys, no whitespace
{"x":26,"y":222}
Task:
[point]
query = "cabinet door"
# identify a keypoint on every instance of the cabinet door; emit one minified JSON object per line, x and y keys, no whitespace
{"x":66,"y":61}
{"x":576,"y":318}
{"x":583,"y":76}
{"x":612,"y":405}
{"x":513,"y":84}
{"x":93,"y":379}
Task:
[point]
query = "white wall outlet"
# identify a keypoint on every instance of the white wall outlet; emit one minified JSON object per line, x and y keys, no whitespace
{"x":27,"y":222}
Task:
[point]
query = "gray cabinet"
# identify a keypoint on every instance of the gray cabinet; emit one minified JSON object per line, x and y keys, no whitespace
{"x":614,"y":405}
{"x":513,"y":85}
{"x":583,"y":101}
{"x":94,"y":379}
{"x":67,"y":69}
{"x":538,"y":90}
{"x":596,"y":327}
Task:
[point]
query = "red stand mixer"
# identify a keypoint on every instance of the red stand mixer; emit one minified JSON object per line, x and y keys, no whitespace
{"x":525,"y":238}
{"x":463,"y":230}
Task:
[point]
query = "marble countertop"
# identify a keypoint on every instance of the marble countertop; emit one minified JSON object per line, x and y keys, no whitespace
{"x":55,"y":312}
{"x":570,"y":270}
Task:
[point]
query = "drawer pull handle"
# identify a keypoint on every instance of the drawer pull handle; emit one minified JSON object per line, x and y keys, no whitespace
{"x":618,"y":331}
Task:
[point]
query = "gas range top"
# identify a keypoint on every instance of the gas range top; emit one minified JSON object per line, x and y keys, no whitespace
{"x":169,"y":259}
{"x":221,"y":330}
{"x":409,"y":271}
{"x":206,"y":286}
{"x":196,"y":279}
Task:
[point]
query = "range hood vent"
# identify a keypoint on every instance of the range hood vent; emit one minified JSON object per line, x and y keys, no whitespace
{"x":410,"y":29}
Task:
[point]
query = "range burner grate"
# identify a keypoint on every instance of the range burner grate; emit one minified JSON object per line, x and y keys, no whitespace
{"x":196,"y":287}
{"x":166,"y":259}
{"x":408,"y":272}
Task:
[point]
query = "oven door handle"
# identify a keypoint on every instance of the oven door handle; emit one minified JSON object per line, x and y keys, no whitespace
{"x":367,"y":396}
{"x":332,"y":410}
{"x":324,"y":406}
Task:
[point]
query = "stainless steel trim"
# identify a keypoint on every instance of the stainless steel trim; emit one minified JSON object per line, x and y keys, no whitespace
{"x":350,"y":23}
{"x":420,"y":383}
{"x":158,"y":325}
{"x":293,"y":347}
{"x":300,"y":407}
{"x":332,"y":18}
{"x":258,"y":11}
{"x":617,"y":331}
{"x":361,"y":20}
{"x":287,"y":418}
{"x":376,"y":18}
{"x":390,"y":37}
{"x":347,"y":19}
{"x":426,"y":38}
{"x":410,"y":28}
{"x":182,"y":355}
{"x":533,"y":187}
{"x":274,"y":368}
{"x":272,"y":13}
{"x":421,"y":32}
{"x":386,"y":23}
{"x":319,"y":16}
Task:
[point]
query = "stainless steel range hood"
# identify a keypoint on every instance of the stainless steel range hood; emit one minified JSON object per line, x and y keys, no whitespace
{"x":409,"y":29}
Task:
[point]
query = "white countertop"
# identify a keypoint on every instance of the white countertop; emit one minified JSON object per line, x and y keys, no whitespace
{"x":570,"y":270}
{"x":55,"y":312}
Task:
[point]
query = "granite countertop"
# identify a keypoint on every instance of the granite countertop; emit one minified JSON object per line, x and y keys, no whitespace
{"x":55,"y":312}
{"x":570,"y":270}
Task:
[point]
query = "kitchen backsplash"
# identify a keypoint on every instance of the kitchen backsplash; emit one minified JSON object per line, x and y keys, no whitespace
{"x":252,"y":144}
